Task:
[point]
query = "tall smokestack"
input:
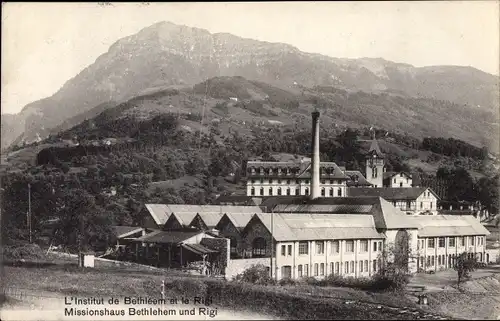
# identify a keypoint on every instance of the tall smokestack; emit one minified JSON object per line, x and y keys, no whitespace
{"x":315,"y":171}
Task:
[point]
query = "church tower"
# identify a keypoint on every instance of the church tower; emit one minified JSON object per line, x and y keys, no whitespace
{"x":375,"y":165}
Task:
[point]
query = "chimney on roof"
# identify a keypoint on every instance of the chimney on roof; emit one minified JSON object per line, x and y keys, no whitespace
{"x":315,"y":169}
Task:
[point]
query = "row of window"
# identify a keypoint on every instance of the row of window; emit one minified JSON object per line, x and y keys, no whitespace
{"x":288,"y":171}
{"x":408,"y":205}
{"x":335,"y":247}
{"x":451,"y":241}
{"x":446,"y":260}
{"x":335,"y":268}
{"x":401,"y":183}
{"x":288,"y":181}
{"x":297,"y":191}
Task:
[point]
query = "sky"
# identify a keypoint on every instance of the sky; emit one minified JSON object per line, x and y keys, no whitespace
{"x":46,"y":44}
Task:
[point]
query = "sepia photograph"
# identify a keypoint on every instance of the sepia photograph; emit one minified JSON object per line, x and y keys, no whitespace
{"x":334,"y":160}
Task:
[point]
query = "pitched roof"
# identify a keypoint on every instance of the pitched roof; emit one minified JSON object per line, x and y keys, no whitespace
{"x":385,"y":215}
{"x":448,"y":225}
{"x":159,"y":212}
{"x":392,"y":174}
{"x":301,"y":169}
{"x":390,"y":193}
{"x":375,"y":149}
{"x":165,"y":237}
{"x":239,"y":220}
{"x":124,"y":231}
{"x":209,"y":218}
{"x":198,"y":249}
{"x":184,"y":218}
{"x":327,"y":170}
{"x":356,"y":179}
{"x":301,"y":227}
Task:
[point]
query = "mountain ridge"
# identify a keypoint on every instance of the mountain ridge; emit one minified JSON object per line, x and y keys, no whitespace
{"x":167,"y":54}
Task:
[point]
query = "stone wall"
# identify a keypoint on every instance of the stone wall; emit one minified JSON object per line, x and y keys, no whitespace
{"x":254,"y":230}
{"x":227,"y":229}
{"x":221,"y":245}
{"x":237,"y":266}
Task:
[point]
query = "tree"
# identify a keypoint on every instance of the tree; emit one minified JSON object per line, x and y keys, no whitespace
{"x":464,"y":264}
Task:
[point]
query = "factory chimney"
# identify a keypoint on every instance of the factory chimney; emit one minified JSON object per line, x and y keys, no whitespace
{"x":315,"y":170}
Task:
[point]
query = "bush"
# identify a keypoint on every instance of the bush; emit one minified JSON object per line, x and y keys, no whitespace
{"x":22,"y":252}
{"x":390,"y":278}
{"x":188,"y":287}
{"x":256,"y":274}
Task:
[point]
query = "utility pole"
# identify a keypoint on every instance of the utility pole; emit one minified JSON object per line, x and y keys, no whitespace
{"x":272,"y":241}
{"x":29,"y":210}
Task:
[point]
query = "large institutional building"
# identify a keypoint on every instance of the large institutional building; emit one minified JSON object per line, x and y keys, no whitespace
{"x":309,"y":218}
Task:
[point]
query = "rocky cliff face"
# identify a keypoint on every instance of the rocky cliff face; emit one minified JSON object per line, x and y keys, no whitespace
{"x":167,"y":54}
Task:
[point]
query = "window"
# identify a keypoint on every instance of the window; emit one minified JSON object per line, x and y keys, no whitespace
{"x":361,"y":266}
{"x":432,"y":260}
{"x":270,"y":191}
{"x":335,"y":247}
{"x":400,"y":184}
{"x":303,"y":248}
{"x":462,"y":241}
{"x":374,"y":246}
{"x":374,"y":263}
{"x":352,"y":266}
{"x":331,"y":181}
{"x":346,"y":268}
{"x":279,"y":190}
{"x":323,"y":181}
{"x":322,"y":192}
{"x":366,"y":265}
{"x":331,"y":267}
{"x":262,"y":181}
{"x":288,"y":191}
{"x":262,"y":191}
{"x":451,"y":242}
{"x":286,"y":272}
{"x":316,"y":269}
{"x":279,"y":181}
{"x":288,"y":181}
{"x":421,"y":205}
{"x":307,"y":191}
{"x":349,"y":246}
{"x":472,"y":240}
{"x":259,"y":247}
{"x":407,"y":181}
{"x":299,"y":270}
{"x":400,"y":174}
{"x":297,"y":191}
{"x":439,"y":260}
{"x":339,"y":192}
{"x":283,"y":250}
{"x":428,"y":261}
{"x":363,"y":244}
{"x":233,"y":244}
{"x":289,"y":250}
{"x":322,"y":269}
{"x":441,"y":242}
{"x":394,"y":181}
{"x":337,"y":268}
{"x":431,"y":205}
{"x":306,"y":270}
{"x":252,"y":191}
{"x":331,"y":191}
{"x":307,"y":182}
{"x":430,"y":243}
{"x":380,"y":248}
{"x":320,"y":247}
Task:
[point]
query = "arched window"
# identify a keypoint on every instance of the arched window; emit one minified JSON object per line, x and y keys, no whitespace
{"x":307,"y":191}
{"x":270,"y":191}
{"x":252,"y":192}
{"x":339,"y":192}
{"x":322,"y":192}
{"x":288,"y":191}
{"x":259,"y":247}
{"x":279,"y":190}
{"x":297,"y":191}
{"x":331,"y":192}
{"x":262,"y":191}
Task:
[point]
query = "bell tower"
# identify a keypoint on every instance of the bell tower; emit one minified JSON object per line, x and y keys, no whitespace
{"x":375,"y":165}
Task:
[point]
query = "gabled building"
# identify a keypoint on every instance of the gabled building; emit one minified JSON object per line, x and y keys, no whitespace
{"x":398,"y":179}
{"x":411,"y":200}
{"x":230,"y":226}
